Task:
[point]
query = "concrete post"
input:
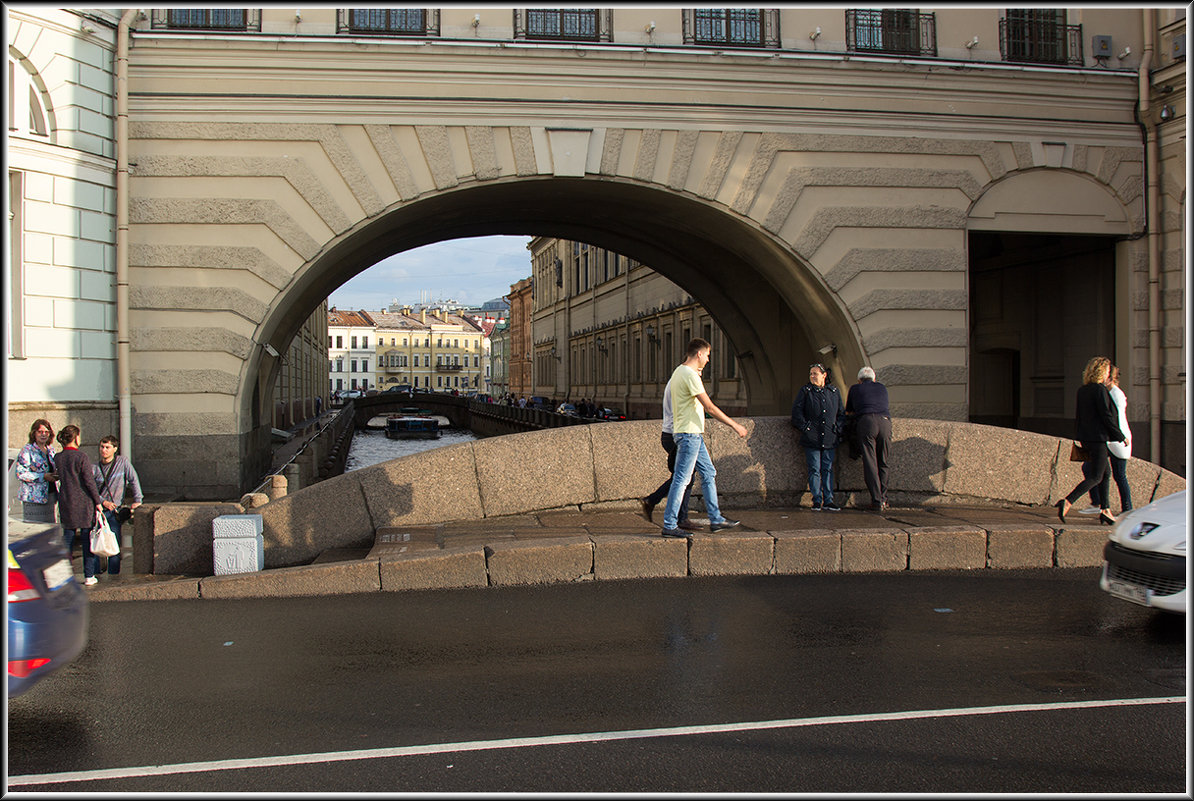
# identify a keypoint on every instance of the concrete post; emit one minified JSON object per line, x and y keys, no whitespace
{"x":293,"y":478}
{"x":277,"y":488}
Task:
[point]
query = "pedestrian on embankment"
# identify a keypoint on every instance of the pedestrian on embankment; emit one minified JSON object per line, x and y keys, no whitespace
{"x":38,"y":492}
{"x":1097,"y":422}
{"x":818,"y":415}
{"x":867,"y":401}
{"x":79,"y":500}
{"x":669,"y":446}
{"x":114,"y":474}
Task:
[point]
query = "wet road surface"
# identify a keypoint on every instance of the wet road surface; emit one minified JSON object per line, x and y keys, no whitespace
{"x":837,"y":682}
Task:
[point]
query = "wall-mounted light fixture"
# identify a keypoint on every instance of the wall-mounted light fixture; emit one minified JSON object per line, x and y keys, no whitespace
{"x":476,"y":20}
{"x":973,"y":43}
{"x":825,"y":350}
{"x":651,"y":336}
{"x":1168,"y":112}
{"x":270,"y":350}
{"x":1127,"y":51}
{"x":298,"y":15}
{"x":649,"y":28}
{"x":815,"y":34}
{"x":601,"y":345}
{"x":85,"y":28}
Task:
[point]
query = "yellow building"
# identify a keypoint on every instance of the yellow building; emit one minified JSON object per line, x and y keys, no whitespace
{"x":432,"y":350}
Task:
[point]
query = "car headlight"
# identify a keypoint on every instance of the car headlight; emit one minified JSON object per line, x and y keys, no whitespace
{"x":1141,"y":530}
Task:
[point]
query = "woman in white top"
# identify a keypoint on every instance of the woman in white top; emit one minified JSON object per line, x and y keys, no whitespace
{"x":1119,"y":452}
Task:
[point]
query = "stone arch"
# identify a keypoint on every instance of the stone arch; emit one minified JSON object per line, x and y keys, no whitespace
{"x":1058,"y":200}
{"x":774,"y":309}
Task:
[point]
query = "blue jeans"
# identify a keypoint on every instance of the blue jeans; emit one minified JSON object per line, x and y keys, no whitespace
{"x":90,"y":560}
{"x":113,"y":521}
{"x":820,"y":473}
{"x":1119,"y":471}
{"x":691,"y":454}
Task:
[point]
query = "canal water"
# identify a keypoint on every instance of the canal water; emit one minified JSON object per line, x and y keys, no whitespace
{"x":373,"y":447}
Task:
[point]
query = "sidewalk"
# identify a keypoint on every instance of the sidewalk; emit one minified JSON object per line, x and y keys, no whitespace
{"x":618,"y":543}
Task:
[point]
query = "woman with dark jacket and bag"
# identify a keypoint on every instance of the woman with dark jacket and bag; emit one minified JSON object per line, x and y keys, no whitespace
{"x":1098,"y":424}
{"x":818,"y":415}
{"x":78,"y":498}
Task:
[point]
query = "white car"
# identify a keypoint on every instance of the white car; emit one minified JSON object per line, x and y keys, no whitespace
{"x":1146,"y":556}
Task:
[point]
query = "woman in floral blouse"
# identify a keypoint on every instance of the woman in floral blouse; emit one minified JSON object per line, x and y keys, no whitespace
{"x":35,"y":471}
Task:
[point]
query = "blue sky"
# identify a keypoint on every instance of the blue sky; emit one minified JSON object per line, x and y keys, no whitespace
{"x":470,"y":271}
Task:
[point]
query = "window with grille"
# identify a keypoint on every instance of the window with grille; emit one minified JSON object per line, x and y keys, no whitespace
{"x":1040,"y":36}
{"x":731,"y":27}
{"x":212,"y":19}
{"x":896,"y":31}
{"x":563,"y":24}
{"x":388,"y":21}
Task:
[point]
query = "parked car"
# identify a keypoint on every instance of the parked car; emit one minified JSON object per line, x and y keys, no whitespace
{"x":610,"y":414}
{"x":1145,"y":558}
{"x":568,"y":409}
{"x":403,"y":388}
{"x":539,"y":402}
{"x":352,"y":393}
{"x":47,"y":608}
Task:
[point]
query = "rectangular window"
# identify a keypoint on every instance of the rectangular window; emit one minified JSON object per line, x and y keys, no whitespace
{"x":416,"y":360}
{"x":339,"y":365}
{"x":352,"y":366}
{"x":575,"y":24}
{"x":365,"y":366}
{"x":339,"y":342}
{"x":896,"y":31}
{"x":365,"y":342}
{"x":1040,"y":36}
{"x":217,"y":19}
{"x":393,"y":21}
{"x":728,"y":26}
{"x":354,"y":343}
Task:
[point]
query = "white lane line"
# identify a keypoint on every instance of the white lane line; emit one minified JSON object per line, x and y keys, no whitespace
{"x":562,"y":739}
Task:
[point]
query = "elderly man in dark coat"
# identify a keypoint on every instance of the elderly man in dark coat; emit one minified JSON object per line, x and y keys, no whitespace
{"x":78,"y":498}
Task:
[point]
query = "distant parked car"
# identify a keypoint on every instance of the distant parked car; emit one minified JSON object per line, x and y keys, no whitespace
{"x":404,"y":388}
{"x":539,"y":402}
{"x":610,"y":414}
{"x":568,"y":409}
{"x":1146,"y":555}
{"x":352,"y":393}
{"x":47,"y":609}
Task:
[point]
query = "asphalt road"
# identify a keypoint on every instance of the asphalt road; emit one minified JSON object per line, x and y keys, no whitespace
{"x":993,"y":681}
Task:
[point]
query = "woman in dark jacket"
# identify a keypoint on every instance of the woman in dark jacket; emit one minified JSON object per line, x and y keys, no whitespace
{"x":818,"y":415}
{"x":1098,"y":424}
{"x":78,"y":498}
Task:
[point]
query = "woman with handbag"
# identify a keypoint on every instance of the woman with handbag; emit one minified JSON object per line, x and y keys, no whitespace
{"x":112,"y":475}
{"x":78,"y":498}
{"x":1098,"y":424}
{"x":35,"y":470}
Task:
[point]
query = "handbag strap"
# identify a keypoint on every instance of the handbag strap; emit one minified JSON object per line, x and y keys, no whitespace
{"x":107,"y":474}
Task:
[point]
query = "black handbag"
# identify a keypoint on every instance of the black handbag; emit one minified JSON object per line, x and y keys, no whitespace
{"x":124,"y":514}
{"x":1078,"y":453}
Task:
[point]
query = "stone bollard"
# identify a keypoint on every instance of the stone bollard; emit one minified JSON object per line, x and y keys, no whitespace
{"x":293,"y":477}
{"x":277,"y":487}
{"x":254,"y":500}
{"x":237,"y":544}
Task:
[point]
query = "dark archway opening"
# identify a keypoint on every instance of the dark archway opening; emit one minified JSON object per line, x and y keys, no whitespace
{"x":1041,"y":305}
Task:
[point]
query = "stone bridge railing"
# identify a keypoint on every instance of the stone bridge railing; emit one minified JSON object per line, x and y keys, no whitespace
{"x":609,"y":466}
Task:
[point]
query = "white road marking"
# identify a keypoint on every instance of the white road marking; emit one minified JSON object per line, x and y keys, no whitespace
{"x":562,"y":739}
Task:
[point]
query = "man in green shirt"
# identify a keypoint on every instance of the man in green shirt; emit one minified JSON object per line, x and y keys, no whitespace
{"x":689,"y":404}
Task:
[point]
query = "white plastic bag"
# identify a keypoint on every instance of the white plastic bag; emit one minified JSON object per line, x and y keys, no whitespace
{"x":103,"y":540}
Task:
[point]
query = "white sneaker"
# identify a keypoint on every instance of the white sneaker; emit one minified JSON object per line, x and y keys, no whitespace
{"x":90,"y":581}
{"x":1090,"y":510}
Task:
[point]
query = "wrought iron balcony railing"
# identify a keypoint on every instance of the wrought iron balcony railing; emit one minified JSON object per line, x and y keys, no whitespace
{"x":891,"y":31}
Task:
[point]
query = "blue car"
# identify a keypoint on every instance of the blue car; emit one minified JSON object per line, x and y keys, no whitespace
{"x":47,"y":608}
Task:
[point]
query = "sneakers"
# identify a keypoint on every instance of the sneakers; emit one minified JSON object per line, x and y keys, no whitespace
{"x":675,"y":532}
{"x":687,"y":525}
{"x":831,"y":507}
{"x":1090,"y":510}
{"x":90,"y":580}
{"x":723,"y":525}
{"x":817,"y":507}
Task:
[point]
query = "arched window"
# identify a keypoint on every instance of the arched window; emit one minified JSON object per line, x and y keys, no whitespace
{"x":27,"y":103}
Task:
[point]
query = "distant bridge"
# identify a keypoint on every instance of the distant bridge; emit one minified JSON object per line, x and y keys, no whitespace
{"x":483,"y":419}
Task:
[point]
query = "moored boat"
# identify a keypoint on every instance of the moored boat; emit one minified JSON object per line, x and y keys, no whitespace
{"x":406,"y":426}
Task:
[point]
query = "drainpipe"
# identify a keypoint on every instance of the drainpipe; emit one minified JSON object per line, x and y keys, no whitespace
{"x":123,"y":370}
{"x":1152,"y":227}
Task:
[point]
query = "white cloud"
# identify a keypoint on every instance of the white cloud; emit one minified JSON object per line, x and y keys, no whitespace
{"x":470,"y":271}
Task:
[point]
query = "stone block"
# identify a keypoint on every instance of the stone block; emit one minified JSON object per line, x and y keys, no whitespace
{"x":428,"y":487}
{"x":330,"y":514}
{"x":767,"y":464}
{"x":872,"y":550}
{"x":628,"y":459}
{"x":237,"y":544}
{"x":732,"y":553}
{"x":808,"y":551}
{"x":540,"y":561}
{"x":638,"y":556}
{"x":947,"y":548}
{"x":515,"y":478}
{"x":335,"y":578}
{"x":1080,"y":545}
{"x":171,"y":589}
{"x":449,"y":568}
{"x":142,"y":537}
{"x":918,"y":456}
{"x":1011,"y":545}
{"x":1000,"y":464}
{"x":182,"y":537}
{"x":1167,"y":484}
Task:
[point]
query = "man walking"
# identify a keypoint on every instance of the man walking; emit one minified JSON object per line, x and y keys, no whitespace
{"x":867,"y":401}
{"x":669,"y":445}
{"x":689,"y":404}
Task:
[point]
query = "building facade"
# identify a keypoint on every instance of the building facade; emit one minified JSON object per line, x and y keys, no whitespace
{"x":623,"y":328}
{"x":973,"y":201}
{"x":518,"y":365}
{"x":433,"y":350}
{"x":350,"y":351}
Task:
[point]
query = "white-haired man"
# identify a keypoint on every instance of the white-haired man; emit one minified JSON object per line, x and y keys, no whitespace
{"x":867,"y":402}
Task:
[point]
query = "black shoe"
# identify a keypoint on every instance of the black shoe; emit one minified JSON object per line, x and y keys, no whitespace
{"x":687,"y":525}
{"x":648,"y":509}
{"x":723,"y":525}
{"x":1106,"y":519}
{"x":1063,"y":508}
{"x":831,"y":507}
{"x":817,"y":507}
{"x":675,"y":532}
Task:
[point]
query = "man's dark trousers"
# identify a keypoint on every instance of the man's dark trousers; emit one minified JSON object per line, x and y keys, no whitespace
{"x":874,"y":437}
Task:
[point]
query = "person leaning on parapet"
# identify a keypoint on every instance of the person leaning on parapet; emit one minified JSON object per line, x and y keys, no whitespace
{"x":78,"y":498}
{"x":669,"y":445}
{"x":867,"y":401}
{"x":113,"y":474}
{"x":818,"y":415}
{"x":35,"y":470}
{"x":689,"y":404}
{"x":1098,"y":423}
